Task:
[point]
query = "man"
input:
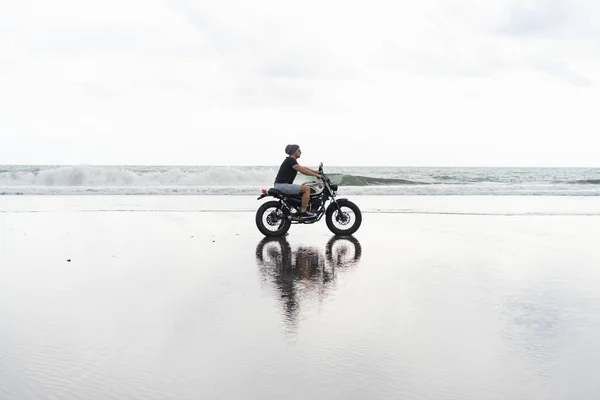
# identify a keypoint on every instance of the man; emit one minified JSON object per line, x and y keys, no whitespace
{"x":284,"y":182}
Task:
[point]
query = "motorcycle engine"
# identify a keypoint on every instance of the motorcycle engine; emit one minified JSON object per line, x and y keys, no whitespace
{"x":314,"y":204}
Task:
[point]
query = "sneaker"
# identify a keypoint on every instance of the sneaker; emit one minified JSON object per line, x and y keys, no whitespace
{"x":307,"y":215}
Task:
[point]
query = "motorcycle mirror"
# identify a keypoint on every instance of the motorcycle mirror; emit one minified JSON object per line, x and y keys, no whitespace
{"x":321,"y":167}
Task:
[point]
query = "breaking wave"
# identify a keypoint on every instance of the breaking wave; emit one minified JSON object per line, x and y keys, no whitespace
{"x":357,"y":180}
{"x":587,"y":181}
{"x":136,"y":176}
{"x":167,"y":176}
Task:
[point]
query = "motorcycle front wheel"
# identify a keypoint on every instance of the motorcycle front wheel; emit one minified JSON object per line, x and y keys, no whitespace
{"x":271,"y":220}
{"x":346,"y":220}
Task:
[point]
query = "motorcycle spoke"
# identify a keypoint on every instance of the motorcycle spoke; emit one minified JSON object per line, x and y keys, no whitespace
{"x":273,"y":219}
{"x":344,"y":221}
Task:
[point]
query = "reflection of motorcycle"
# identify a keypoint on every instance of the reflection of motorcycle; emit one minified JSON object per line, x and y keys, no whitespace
{"x":341,"y":252}
{"x":274,"y":218}
{"x":297,"y":273}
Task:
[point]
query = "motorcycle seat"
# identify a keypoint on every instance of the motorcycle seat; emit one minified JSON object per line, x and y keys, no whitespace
{"x":275,"y":192}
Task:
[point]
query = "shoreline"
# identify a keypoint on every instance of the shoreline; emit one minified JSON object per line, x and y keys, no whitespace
{"x":459,"y":205}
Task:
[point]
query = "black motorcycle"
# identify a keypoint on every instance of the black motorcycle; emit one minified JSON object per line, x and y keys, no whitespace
{"x":275,"y":217}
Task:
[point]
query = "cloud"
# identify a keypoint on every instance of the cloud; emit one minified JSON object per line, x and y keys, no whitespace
{"x":537,"y":18}
{"x":430,"y":80}
{"x":562,"y":71}
{"x":267,"y":60}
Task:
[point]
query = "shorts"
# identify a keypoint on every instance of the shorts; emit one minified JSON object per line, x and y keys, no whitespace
{"x":287,"y":188}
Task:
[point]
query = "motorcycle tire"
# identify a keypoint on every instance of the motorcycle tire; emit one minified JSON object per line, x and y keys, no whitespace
{"x":329,"y":218}
{"x":284,"y":224}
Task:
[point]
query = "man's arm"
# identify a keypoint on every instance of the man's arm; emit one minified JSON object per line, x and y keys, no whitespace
{"x":313,"y":170}
{"x":306,"y":171}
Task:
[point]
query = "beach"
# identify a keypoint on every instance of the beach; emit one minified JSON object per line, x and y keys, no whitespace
{"x":181,"y":297}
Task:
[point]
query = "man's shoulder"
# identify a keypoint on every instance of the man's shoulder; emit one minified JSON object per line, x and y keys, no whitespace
{"x":290,"y":161}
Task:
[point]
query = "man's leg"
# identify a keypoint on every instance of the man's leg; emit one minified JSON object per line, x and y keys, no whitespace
{"x":305,"y":191}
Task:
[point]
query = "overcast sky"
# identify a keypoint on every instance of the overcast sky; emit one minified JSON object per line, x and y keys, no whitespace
{"x":427,"y":82}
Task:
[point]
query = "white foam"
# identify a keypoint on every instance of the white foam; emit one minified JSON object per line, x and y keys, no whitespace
{"x":87,"y":176}
{"x":431,"y":190}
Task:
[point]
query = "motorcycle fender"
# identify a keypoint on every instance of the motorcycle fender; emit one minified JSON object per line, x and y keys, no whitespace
{"x":332,"y":204}
{"x":262,"y":196}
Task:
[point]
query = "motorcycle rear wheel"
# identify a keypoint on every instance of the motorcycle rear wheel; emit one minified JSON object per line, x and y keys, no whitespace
{"x":271,"y":220}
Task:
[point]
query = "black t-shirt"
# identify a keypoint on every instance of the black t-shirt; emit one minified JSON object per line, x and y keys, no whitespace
{"x":287,"y":173}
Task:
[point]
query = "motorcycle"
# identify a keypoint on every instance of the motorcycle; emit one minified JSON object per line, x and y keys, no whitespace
{"x":275,"y":217}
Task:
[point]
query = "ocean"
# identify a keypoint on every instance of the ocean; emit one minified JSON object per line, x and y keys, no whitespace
{"x":235,"y":180}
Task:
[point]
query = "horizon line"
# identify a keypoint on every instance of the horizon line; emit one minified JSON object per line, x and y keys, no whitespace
{"x":276,"y":165}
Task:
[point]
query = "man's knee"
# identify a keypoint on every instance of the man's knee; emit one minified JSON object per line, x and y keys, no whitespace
{"x":304,"y":189}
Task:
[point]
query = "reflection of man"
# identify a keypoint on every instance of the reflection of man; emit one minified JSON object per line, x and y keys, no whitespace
{"x":308,"y":262}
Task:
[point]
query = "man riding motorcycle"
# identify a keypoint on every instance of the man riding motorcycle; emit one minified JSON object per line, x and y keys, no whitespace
{"x":284,"y":181}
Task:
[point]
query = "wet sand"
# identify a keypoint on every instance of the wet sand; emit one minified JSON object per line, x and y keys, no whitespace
{"x":173,"y":298}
